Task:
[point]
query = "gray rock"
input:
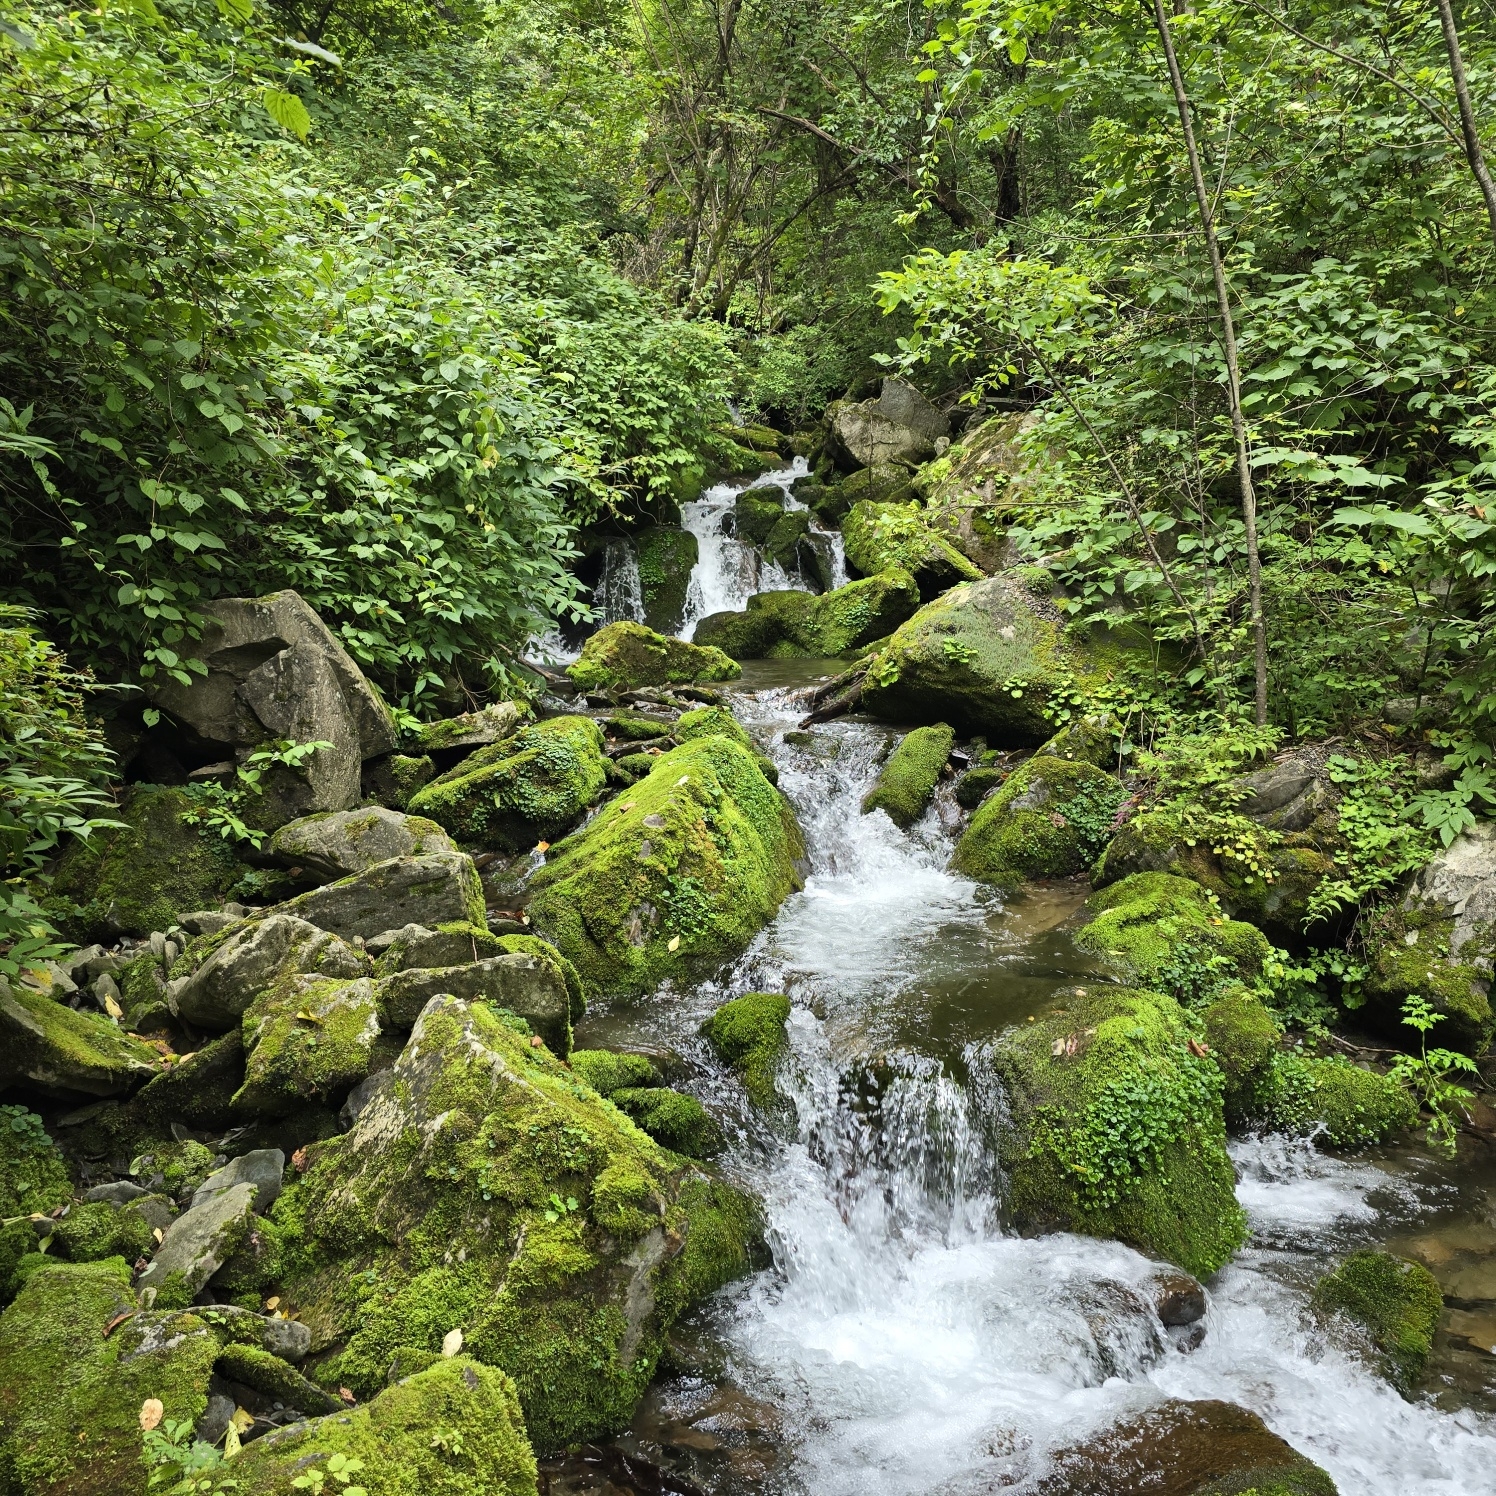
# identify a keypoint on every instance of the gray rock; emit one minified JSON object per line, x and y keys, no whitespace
{"x":496,"y":721}
{"x":106,"y":988}
{"x":386,"y":940}
{"x":1288,"y":795}
{"x":216,"y":995}
{"x":208,"y":921}
{"x":214,"y":1423}
{"x":1178,"y":1299}
{"x":202,"y":1240}
{"x":361,"y":1095}
{"x":263,"y":1168}
{"x":156,"y":1211}
{"x":415,"y":945}
{"x":1462,"y":880}
{"x":899,"y":426}
{"x":60,"y":1051}
{"x":525,"y":984}
{"x":436,"y":889}
{"x":76,"y":965}
{"x":121,"y":1192}
{"x":276,"y":671}
{"x":287,"y":1338}
{"x":343,"y":842}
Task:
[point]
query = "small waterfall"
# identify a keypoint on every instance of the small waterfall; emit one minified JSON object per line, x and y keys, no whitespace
{"x":619,"y":596}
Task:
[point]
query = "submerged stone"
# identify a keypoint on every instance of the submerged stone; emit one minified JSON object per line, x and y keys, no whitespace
{"x":1117,"y":1128}
{"x":628,"y":654}
{"x":681,"y":870}
{"x":485,"y":1189}
{"x":1397,"y":1302}
{"x":908,"y":779}
{"x":530,"y":788}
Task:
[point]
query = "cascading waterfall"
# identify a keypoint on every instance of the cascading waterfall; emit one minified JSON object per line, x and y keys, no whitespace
{"x":619,"y":594}
{"x":904,"y":1341}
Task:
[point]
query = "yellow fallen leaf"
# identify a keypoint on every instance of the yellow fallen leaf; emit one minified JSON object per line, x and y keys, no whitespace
{"x":112,"y":1008}
{"x":159,"y":1234}
{"x":273,"y":1302}
{"x":232,"y":1444}
{"x":305,"y":1017}
{"x":151,"y":1413}
{"x":674,"y":944}
{"x":542,"y":846}
{"x":242,"y":1420}
{"x":451,"y":1342}
{"x":627,"y":805}
{"x":684,"y":779}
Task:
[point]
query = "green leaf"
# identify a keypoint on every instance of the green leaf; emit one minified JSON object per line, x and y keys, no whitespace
{"x":288,"y":112}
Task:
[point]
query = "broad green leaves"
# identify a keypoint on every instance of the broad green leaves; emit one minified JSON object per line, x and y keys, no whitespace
{"x":288,"y":112}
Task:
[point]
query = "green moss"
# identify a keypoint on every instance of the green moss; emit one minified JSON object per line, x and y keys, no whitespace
{"x":748,"y":1033}
{"x":141,"y":877}
{"x":755,"y":513}
{"x":635,"y":765}
{"x":673,"y":1120}
{"x":710,"y":721}
{"x":909,"y":777}
{"x":782,"y":542}
{"x":175,"y":1168}
{"x":1330,"y":1100}
{"x":628,"y":654}
{"x":69,"y":1050}
{"x":496,"y":1194}
{"x":1091,"y":739}
{"x":533,"y":945}
{"x":976,"y":784}
{"x":1409,"y":954}
{"x":18,"y":1239}
{"x":273,"y":1378}
{"x":395,"y":779}
{"x":879,"y":537}
{"x":89,"y":1233}
{"x":1168,"y":934}
{"x":636,"y":729}
{"x":700,"y":853}
{"x":529,"y":788}
{"x":1117,"y":1129}
{"x":452,"y":1428}
{"x":1396,"y":1301}
{"x":70,"y":1397}
{"x":748,"y":635}
{"x":306,"y":1038}
{"x":666,"y":558}
{"x":33,"y":1175}
{"x":1243,"y":1038}
{"x":794,"y":624}
{"x":607,"y":1072}
{"x":1047,"y":821}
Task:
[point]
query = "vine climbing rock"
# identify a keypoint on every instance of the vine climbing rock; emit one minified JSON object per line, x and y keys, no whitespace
{"x":900,"y":425}
{"x":1050,"y":819}
{"x":677,"y":873}
{"x":988,"y":657}
{"x":628,"y":654}
{"x":487,"y":1190}
{"x":276,"y":672}
{"x":1118,"y":1128}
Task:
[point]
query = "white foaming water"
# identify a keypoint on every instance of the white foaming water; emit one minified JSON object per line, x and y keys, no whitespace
{"x":728,"y":571}
{"x":619,"y":594}
{"x":915,"y":1348}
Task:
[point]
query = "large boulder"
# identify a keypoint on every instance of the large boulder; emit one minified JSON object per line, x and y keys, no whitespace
{"x":139,"y":877}
{"x":530,"y":788}
{"x":197,"y":1244}
{"x":1117,"y":1128}
{"x":1050,"y":819}
{"x":987,"y":657}
{"x":338,"y":843}
{"x":276,"y":672}
{"x":432,"y":890}
{"x":62,"y":1051}
{"x":454,"y":1428}
{"x":529,"y":986}
{"x":667,"y":557}
{"x":226,"y":972}
{"x":628,"y":654}
{"x":485,"y":1190}
{"x":1439,"y":944}
{"x":78,"y":1360}
{"x":908,"y":779}
{"x":791,"y":624}
{"x":900,"y":425}
{"x":679,"y":872}
{"x":490,"y":724}
{"x":879,"y":537}
{"x":886,"y":482}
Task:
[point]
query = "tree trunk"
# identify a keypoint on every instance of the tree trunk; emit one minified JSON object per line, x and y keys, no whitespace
{"x":1473,"y":152}
{"x":1233,"y":368}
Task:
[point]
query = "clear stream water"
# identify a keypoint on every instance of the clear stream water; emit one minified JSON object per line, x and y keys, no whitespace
{"x":902,"y":1342}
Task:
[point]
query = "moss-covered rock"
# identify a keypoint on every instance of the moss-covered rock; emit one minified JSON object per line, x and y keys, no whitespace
{"x":881,"y":537}
{"x":140,"y":877}
{"x":607,"y":1071}
{"x":681,"y":870}
{"x":74,"y":1373}
{"x":710,"y":721}
{"x":1090,"y":738}
{"x":976,"y":784}
{"x":628,"y":654}
{"x":1117,"y":1129}
{"x":338,"y":843}
{"x":1332,"y":1101}
{"x":986,"y":657}
{"x":62,"y":1051}
{"x":485,"y":1189}
{"x":748,"y":1033}
{"x":673,"y":1119}
{"x":527,"y":789}
{"x":1048,"y":820}
{"x":800,"y":624}
{"x":453,"y":1428}
{"x":33,"y":1176}
{"x":440,"y":888}
{"x":1243,"y":1038}
{"x":908,"y":778}
{"x":884,"y":482}
{"x":393,"y":780}
{"x":782,"y":543}
{"x":489,"y":724}
{"x":1396,"y":1301}
{"x":666,"y":558}
{"x":90,"y":1233}
{"x":1168,"y":934}
{"x":755,"y":512}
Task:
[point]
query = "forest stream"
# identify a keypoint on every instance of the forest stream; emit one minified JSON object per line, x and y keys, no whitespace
{"x":904,"y":1341}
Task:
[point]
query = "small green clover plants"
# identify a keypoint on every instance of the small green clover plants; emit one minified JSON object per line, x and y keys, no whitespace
{"x":1426,"y":1075}
{"x":334,"y":1480}
{"x":560,"y":1207}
